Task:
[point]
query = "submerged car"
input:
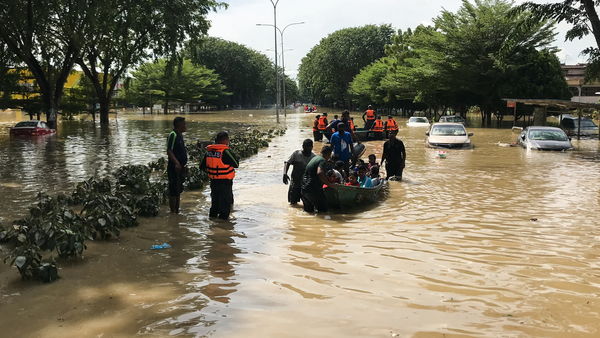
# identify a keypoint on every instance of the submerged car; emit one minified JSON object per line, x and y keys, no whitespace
{"x":448,"y":135}
{"x":417,"y":121}
{"x":570,"y":124}
{"x":31,"y":128}
{"x":453,"y":119}
{"x":544,"y":138}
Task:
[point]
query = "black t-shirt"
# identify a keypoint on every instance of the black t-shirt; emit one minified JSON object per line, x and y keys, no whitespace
{"x":394,"y":153}
{"x":176,"y":144}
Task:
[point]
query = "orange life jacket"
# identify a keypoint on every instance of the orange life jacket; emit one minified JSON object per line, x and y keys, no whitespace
{"x":217,"y":170}
{"x":370,"y":114}
{"x":351,"y":125}
{"x":322,"y":123}
{"x":377,"y":126}
{"x":392,"y":125}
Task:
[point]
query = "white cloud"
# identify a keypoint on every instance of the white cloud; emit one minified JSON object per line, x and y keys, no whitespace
{"x":322,"y":17}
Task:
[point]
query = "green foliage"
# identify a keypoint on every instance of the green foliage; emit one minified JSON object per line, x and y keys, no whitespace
{"x":248,"y":74}
{"x":189,"y":83}
{"x":473,"y":57}
{"x":330,"y":66}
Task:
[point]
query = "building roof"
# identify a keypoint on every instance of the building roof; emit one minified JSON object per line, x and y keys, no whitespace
{"x":559,"y":104}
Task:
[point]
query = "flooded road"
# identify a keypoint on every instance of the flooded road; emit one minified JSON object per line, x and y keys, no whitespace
{"x":492,"y":241}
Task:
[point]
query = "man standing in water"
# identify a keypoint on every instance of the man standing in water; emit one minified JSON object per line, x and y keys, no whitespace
{"x":314,"y":179}
{"x":395,"y":155}
{"x":220,"y":163}
{"x":176,"y":171}
{"x":343,"y":146}
{"x":299,"y":160}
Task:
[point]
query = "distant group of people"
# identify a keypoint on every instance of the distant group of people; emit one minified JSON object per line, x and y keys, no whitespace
{"x":309,"y":109}
{"x":372,"y":122}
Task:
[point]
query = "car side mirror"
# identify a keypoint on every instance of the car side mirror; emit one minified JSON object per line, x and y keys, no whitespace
{"x":570,"y":139}
{"x":471,"y":134}
{"x":427,"y":133}
{"x":523,"y":137}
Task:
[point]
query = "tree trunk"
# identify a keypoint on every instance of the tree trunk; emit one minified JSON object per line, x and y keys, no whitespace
{"x":166,"y":107}
{"x":104,"y":109}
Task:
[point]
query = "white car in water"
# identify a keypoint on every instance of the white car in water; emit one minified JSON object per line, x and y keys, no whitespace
{"x":448,"y":135}
{"x":417,"y":121}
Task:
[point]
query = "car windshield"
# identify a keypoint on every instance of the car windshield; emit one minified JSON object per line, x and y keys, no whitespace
{"x":448,"y":131}
{"x":27,"y":124}
{"x":418,"y":119}
{"x":547,"y":135}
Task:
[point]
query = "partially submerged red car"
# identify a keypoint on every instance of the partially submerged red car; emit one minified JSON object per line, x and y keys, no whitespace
{"x":31,"y":128}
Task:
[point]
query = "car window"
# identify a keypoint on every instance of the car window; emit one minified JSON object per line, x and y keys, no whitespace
{"x":27,"y":124}
{"x":547,"y":135}
{"x":448,"y":131}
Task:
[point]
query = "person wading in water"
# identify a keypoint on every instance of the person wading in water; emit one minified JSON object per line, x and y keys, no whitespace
{"x":394,"y":154}
{"x":299,"y":160}
{"x":178,"y":158}
{"x":220,"y":163}
{"x":314,"y":179}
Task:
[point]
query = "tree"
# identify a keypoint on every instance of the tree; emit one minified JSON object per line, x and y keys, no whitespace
{"x":247,"y":73}
{"x":326,"y":72}
{"x":45,"y":35}
{"x":473,"y":57}
{"x":187,"y":83}
{"x":582,"y":15}
{"x":126,"y":32}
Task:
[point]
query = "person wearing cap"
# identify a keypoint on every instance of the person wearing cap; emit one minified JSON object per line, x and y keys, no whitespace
{"x":176,"y":170}
{"x":299,"y":159}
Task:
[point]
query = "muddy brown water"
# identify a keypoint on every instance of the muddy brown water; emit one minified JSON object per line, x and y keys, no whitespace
{"x":452,"y":251}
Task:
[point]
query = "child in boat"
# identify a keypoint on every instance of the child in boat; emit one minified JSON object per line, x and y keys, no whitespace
{"x":363,"y":178}
{"x":340,"y":167}
{"x":374,"y":175}
{"x":352,"y":180}
{"x":373,"y":161}
{"x":333,"y":177}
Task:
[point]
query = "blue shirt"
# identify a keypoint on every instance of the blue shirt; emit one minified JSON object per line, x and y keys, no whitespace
{"x":365,"y":182}
{"x":341,"y":145}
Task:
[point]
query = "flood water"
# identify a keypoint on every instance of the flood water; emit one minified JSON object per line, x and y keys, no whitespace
{"x":493,"y":241}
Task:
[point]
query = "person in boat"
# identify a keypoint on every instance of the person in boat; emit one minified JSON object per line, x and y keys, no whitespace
{"x":349,"y":123}
{"x":322,"y":125}
{"x":374,"y":175}
{"x":343,"y":145}
{"x":352,"y":180}
{"x":313,"y":180}
{"x":378,"y":128}
{"x":394,"y":156}
{"x":220,"y":163}
{"x":352,"y":125}
{"x":370,"y":117}
{"x":363,"y":179}
{"x":372,"y":162}
{"x":299,"y":159}
{"x":391,"y":126}
{"x":317,"y":136}
{"x":342,"y":170}
{"x":332,"y":126}
{"x":333,"y":176}
{"x":176,"y":170}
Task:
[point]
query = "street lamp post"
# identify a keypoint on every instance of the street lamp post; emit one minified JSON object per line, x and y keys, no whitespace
{"x":281,"y":31}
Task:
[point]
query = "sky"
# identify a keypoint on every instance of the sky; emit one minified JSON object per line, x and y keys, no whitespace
{"x":322,"y":17}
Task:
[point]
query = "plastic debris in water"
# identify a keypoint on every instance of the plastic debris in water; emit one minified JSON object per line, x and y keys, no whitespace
{"x":160,"y":246}
{"x":442,"y":154}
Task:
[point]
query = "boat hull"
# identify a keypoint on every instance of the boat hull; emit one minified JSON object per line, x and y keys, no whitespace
{"x":346,"y":197}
